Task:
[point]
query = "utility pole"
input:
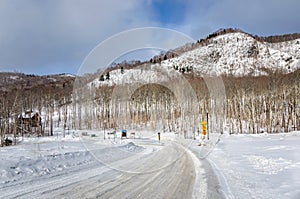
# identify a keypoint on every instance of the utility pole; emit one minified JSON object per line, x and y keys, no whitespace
{"x":104,"y":129}
{"x":207,"y":125}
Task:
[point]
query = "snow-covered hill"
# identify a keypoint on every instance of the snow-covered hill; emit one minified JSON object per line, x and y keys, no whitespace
{"x":239,"y":54}
{"x":146,"y":73}
{"x":236,"y":54}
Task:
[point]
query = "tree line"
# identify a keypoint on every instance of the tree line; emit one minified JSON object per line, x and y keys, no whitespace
{"x":252,"y":104}
{"x":269,"y":103}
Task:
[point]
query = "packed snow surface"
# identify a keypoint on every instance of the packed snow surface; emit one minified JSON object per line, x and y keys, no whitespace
{"x":258,"y":166}
{"x":90,"y":166}
{"x":85,"y":165}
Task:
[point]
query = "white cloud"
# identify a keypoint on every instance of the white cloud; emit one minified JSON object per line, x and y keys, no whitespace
{"x":48,"y":33}
{"x":41,"y":36}
{"x":136,"y":39}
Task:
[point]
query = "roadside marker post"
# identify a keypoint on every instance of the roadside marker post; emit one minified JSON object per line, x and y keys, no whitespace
{"x":207,"y":124}
{"x":104,"y":129}
{"x":158,"y":134}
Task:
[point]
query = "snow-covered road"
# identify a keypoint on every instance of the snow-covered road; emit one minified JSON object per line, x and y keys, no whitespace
{"x":239,"y":166}
{"x":140,"y":168}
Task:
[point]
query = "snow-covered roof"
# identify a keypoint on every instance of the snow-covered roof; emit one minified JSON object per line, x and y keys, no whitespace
{"x":28,"y":114}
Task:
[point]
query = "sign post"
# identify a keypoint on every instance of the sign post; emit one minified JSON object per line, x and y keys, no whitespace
{"x":204,"y":132}
{"x":204,"y":128}
{"x":124,"y":134}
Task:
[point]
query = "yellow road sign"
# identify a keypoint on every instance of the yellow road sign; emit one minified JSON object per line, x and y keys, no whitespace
{"x":204,"y":127}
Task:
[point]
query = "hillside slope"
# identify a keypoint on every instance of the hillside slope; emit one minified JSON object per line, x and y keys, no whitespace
{"x":236,"y":54}
{"x":239,"y":54}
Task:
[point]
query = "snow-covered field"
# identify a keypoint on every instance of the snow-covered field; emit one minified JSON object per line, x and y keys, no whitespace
{"x":258,"y":166}
{"x":87,"y":166}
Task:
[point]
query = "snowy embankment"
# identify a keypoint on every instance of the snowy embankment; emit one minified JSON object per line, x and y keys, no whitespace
{"x":36,"y":157}
{"x":258,"y":166}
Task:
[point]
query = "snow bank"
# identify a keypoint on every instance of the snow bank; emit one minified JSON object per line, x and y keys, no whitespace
{"x":36,"y":156}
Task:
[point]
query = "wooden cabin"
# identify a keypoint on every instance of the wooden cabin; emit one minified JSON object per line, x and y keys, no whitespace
{"x":30,"y":118}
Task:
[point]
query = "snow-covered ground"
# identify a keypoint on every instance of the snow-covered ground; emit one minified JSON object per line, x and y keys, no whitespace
{"x":84,"y":165}
{"x":90,"y":167}
{"x":258,"y":166}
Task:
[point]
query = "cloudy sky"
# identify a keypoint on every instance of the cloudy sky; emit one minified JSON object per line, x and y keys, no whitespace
{"x":55,"y":36}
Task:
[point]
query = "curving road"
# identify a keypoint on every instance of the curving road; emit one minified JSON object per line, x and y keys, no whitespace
{"x":144,"y":169}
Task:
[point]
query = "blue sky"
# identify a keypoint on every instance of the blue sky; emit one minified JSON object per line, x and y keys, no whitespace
{"x":55,"y":36}
{"x":170,"y":11}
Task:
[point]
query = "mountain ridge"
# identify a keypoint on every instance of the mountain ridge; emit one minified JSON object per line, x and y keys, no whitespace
{"x":274,"y":40}
{"x":232,"y":52}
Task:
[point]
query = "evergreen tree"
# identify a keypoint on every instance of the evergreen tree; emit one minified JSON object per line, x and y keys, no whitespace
{"x":183,"y":70}
{"x":107,"y":76}
{"x":101,"y":78}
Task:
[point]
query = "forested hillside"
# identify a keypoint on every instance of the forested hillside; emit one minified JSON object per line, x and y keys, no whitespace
{"x":256,"y":89}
